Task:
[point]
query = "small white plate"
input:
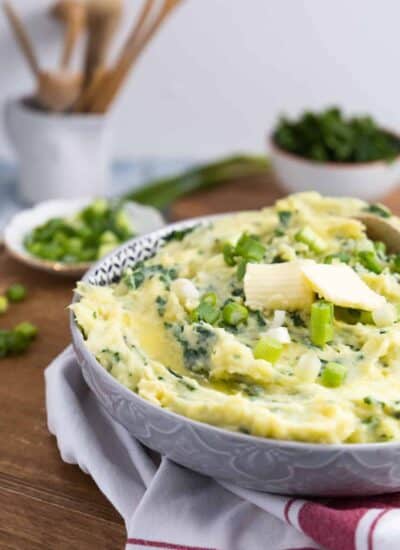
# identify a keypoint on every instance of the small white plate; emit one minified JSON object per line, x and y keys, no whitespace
{"x":144,"y":220}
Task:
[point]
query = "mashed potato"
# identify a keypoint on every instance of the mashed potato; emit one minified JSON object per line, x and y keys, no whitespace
{"x":177,"y":329}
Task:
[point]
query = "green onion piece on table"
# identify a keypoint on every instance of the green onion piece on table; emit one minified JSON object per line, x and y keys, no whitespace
{"x":333,"y":375}
{"x":27,"y":330}
{"x":3,"y":304}
{"x":321,"y":323}
{"x":16,"y":293}
{"x":16,"y":341}
{"x":269,"y":349}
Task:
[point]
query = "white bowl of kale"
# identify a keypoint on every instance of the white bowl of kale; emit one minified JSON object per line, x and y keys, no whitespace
{"x":335,"y":155}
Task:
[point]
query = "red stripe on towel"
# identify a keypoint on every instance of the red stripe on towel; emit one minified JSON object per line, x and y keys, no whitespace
{"x":329,"y":527}
{"x":372,"y":529}
{"x":287,"y":510}
{"x":167,"y":545}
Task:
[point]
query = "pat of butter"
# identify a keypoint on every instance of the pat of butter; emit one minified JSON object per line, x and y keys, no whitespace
{"x":277,"y":286}
{"x":293,"y":285}
{"x":340,"y":284}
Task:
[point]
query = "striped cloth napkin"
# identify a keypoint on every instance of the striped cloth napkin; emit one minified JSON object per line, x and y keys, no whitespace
{"x":169,"y":507}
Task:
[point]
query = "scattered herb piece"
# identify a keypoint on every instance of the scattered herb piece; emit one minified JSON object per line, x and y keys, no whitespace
{"x":18,"y":340}
{"x":379,"y":210}
{"x":178,"y":235}
{"x":161,"y":305}
{"x":285,"y":217}
{"x":297,"y":319}
{"x":3,"y":304}
{"x":16,"y":293}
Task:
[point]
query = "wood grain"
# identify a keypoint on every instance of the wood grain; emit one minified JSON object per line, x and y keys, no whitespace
{"x":44,"y":503}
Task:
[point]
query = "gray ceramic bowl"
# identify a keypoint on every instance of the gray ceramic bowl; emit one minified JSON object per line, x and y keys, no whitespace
{"x":275,"y":466}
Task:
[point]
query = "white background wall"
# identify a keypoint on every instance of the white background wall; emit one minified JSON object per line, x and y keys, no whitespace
{"x":220,"y":71}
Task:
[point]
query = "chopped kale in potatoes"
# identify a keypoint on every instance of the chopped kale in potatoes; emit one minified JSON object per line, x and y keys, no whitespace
{"x":296,"y":355}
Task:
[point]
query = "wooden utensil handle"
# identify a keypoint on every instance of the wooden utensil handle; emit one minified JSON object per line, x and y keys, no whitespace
{"x":74,"y":28}
{"x":102,"y":77}
{"x":134,"y":47}
{"x":22,"y":37}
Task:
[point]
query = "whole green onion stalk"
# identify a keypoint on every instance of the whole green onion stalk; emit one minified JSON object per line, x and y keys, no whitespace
{"x":162,"y":192}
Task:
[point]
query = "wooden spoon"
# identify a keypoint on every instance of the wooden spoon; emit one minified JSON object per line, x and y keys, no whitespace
{"x":73,"y":14}
{"x":56,"y":91}
{"x":102,"y":75}
{"x":381,"y":229}
{"x":136,"y":43}
{"x":103,"y":19}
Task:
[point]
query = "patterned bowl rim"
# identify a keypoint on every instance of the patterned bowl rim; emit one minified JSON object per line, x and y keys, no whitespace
{"x":79,"y":343}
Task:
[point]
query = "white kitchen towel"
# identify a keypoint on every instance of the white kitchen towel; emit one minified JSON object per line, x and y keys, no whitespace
{"x":170,"y":507}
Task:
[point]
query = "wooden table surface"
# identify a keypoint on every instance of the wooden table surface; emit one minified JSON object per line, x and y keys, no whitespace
{"x":44,"y":503}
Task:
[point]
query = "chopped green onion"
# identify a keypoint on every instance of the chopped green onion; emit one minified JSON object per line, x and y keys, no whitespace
{"x":241,"y":269}
{"x":321,"y":324}
{"x":370,"y":261}
{"x":250,"y":248}
{"x":27,"y":330}
{"x":4,"y":347}
{"x":311,"y":239}
{"x":16,"y":341}
{"x":207,"y":313}
{"x":3,"y":304}
{"x":380,"y":248}
{"x":207,"y":310}
{"x":234,"y":313}
{"x":340,"y":256}
{"x":209,"y":298}
{"x":88,"y":235}
{"x":228,"y":252}
{"x":333,"y":375}
{"x":269,"y":349}
{"x":108,"y":237}
{"x":16,"y":293}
